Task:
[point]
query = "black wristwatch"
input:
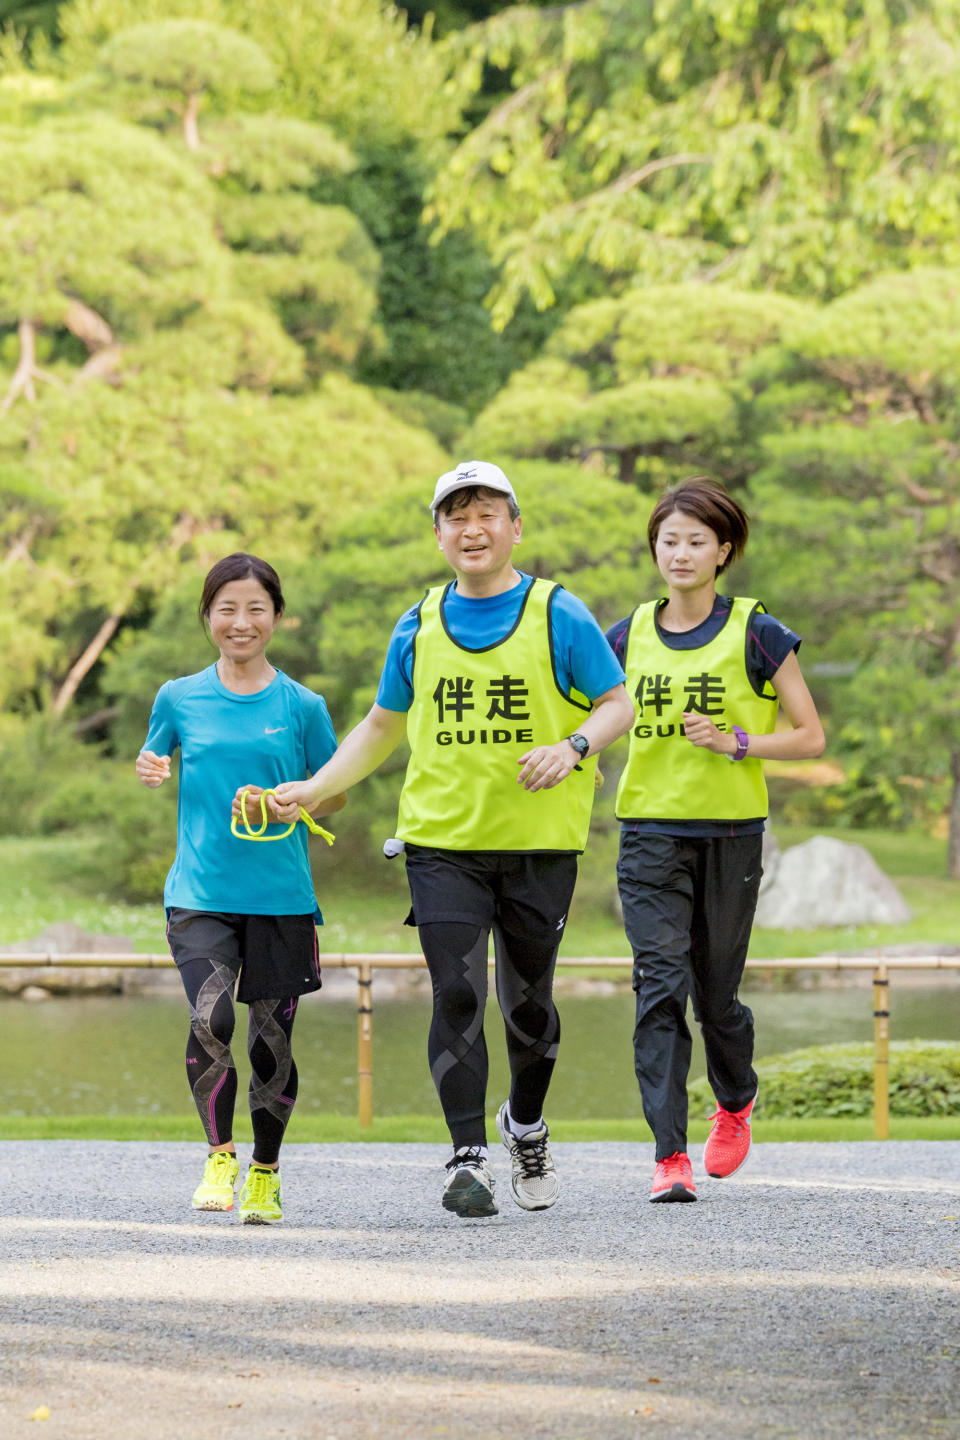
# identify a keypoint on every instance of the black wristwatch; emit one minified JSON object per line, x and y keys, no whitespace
{"x":580,"y":743}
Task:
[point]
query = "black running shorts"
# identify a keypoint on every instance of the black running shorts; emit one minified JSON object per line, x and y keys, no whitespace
{"x":275,"y":956}
{"x":526,"y":892}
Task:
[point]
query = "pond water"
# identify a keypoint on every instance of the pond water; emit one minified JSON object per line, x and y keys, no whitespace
{"x":123,"y":1055}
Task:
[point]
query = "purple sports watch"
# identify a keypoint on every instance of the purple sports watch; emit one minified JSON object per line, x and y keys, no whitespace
{"x":743,"y":742}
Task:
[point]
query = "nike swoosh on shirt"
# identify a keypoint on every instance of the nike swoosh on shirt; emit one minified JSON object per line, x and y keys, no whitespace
{"x":273,"y":730}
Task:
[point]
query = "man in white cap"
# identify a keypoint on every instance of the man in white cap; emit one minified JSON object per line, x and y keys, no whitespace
{"x":506,"y":690}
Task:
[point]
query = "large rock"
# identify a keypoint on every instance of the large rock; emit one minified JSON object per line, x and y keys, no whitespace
{"x":825,"y":883}
{"x":770,"y":859}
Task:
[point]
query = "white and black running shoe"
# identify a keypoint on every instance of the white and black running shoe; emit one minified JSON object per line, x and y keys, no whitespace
{"x":534,"y":1176}
{"x":468,"y":1191}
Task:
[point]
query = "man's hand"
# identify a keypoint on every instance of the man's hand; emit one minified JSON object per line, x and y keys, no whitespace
{"x":277,"y":814}
{"x":152,"y":769}
{"x":701,"y":731}
{"x":294,"y":793}
{"x":546,"y":765}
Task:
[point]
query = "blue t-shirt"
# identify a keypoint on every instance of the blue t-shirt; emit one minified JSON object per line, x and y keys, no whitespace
{"x":280,"y":733}
{"x":769,"y":642}
{"x":583,"y":661}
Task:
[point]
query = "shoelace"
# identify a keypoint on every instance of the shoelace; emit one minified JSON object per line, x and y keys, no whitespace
{"x":674,"y":1166}
{"x":728,"y":1125}
{"x":258,"y":1185}
{"x":220,"y":1169}
{"x":532,"y":1155}
{"x":471,"y":1157}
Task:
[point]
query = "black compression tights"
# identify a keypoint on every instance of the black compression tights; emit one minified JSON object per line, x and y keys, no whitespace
{"x":210,"y":1068}
{"x":456,"y":957}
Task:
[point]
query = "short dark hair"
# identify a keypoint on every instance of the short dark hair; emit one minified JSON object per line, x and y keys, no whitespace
{"x":240,"y":567}
{"x":469,"y":493}
{"x":709,"y":502}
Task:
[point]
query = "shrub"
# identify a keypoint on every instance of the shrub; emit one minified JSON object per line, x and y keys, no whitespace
{"x":826,"y":1080}
{"x":38,"y":755}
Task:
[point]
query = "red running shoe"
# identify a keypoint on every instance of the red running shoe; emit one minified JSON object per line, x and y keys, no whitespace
{"x":728,"y":1143}
{"x":673,"y":1179}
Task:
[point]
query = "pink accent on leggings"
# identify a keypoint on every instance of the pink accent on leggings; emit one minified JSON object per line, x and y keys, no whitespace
{"x":210,"y":1107}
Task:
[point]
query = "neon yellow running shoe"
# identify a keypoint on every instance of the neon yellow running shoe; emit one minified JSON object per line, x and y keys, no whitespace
{"x":260,"y":1197}
{"x":215,"y":1191}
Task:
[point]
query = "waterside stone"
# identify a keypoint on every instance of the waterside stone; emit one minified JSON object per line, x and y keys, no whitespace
{"x":826,"y":883}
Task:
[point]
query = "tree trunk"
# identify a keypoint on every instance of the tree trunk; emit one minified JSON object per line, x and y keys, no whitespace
{"x":185,"y":529}
{"x":87,"y":325}
{"x":627,"y":468}
{"x":87,"y":660}
{"x":98,"y":718}
{"x":22,"y":382}
{"x":27,"y":369}
{"x":191,"y":132}
{"x":953,"y":831}
{"x":103,"y":365}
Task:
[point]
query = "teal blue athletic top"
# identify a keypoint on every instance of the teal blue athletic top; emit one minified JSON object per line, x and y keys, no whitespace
{"x":281,"y":733}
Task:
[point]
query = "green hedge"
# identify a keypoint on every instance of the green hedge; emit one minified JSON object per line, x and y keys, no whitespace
{"x":837,"y":1080}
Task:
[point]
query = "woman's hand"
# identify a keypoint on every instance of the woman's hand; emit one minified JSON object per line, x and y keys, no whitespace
{"x":701,"y":731}
{"x":152,"y":769}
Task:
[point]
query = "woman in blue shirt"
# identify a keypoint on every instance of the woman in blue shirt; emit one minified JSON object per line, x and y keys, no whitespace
{"x":238,"y":911}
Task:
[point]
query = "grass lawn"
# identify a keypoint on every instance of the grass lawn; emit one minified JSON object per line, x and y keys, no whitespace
{"x":340,"y":1129}
{"x":48,"y":880}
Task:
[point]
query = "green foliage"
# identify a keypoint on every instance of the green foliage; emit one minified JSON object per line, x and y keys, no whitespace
{"x":314,"y":263}
{"x":350,"y":64}
{"x":864,"y":492}
{"x":34,"y":20}
{"x":236,"y":345}
{"x":133,"y":829}
{"x":437,"y":331}
{"x":163,"y":482}
{"x":187,"y":57}
{"x":417,"y":407}
{"x":354,"y":66}
{"x":802,"y":145}
{"x":837,"y":1080}
{"x":136,"y":847}
{"x":272,"y":152}
{"x":107,"y":214}
{"x":652,"y":379}
{"x":39,"y":746}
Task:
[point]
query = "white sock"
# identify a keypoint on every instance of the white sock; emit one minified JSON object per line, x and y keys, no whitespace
{"x":518,"y":1131}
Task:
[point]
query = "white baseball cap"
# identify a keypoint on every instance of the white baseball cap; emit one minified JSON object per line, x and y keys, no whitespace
{"x":468,"y":473}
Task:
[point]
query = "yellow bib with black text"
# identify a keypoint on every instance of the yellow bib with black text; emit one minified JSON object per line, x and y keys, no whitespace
{"x":665,"y":777}
{"x":474,"y":713}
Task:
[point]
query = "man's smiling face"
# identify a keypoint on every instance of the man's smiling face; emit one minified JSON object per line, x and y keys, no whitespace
{"x":476,"y":534}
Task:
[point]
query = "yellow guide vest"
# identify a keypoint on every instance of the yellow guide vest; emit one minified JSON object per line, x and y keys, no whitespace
{"x":665,"y":777}
{"x":474,"y":713}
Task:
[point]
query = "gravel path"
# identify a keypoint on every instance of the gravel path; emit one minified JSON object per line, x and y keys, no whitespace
{"x":814,"y":1295}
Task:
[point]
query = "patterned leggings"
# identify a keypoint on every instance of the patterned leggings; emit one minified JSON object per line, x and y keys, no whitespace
{"x":456,"y":957}
{"x":210,"y":1069}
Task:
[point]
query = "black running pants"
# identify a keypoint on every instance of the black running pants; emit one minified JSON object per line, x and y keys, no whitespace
{"x":688,"y":907}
